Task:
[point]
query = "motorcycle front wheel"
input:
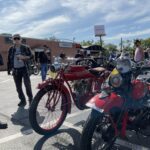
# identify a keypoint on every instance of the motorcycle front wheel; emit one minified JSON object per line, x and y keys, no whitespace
{"x":98,"y":133}
{"x":48,"y":110}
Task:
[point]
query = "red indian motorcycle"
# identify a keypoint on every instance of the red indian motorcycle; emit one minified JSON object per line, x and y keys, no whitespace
{"x":123,"y":105}
{"x":53,"y":101}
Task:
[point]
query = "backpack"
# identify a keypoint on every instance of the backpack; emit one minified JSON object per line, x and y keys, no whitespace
{"x":1,"y":60}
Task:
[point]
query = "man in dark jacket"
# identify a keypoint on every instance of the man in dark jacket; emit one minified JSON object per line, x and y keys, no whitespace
{"x":44,"y":58}
{"x":18,"y":57}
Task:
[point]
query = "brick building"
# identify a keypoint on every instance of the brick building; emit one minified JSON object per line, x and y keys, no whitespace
{"x":56,"y":47}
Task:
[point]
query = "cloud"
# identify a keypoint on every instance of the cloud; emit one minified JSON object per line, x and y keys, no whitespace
{"x":143,"y":20}
{"x":127,"y":10}
{"x":84,"y":29}
{"x":82,"y":8}
{"x":27,"y":10}
{"x":46,"y":27}
{"x":38,"y":18}
{"x":130,"y":34}
{"x":107,"y":11}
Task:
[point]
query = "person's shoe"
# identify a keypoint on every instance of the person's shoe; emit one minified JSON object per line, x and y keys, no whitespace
{"x":22,"y":104}
{"x":3,"y":125}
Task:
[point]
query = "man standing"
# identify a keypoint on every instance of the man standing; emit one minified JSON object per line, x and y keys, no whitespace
{"x":139,"y":53}
{"x":18,"y":57}
{"x":79,"y":54}
{"x":2,"y":124}
{"x":44,"y":58}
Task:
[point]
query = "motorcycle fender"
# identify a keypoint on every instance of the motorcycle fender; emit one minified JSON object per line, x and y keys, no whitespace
{"x":105,"y":104}
{"x":63,"y":88}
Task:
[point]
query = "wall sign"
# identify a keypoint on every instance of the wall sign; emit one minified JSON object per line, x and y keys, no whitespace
{"x":65,"y":44}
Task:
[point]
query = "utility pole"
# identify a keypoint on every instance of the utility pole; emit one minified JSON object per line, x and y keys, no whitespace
{"x":101,"y":42}
{"x":121,"y":44}
{"x":74,"y":39}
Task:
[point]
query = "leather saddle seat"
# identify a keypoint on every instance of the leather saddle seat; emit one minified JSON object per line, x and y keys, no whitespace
{"x":98,"y":71}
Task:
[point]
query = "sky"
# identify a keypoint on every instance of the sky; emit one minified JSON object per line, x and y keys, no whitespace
{"x":75,"y":20}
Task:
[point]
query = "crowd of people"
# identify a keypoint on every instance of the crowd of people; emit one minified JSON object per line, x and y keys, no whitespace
{"x":20,"y":54}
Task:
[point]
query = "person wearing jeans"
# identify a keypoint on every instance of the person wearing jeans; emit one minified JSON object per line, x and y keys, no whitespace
{"x":44,"y":58}
{"x":44,"y":70}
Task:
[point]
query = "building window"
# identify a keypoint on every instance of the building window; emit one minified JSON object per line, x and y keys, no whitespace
{"x":8,"y":40}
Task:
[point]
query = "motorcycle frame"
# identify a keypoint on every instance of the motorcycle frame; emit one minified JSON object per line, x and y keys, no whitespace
{"x":61,"y":79}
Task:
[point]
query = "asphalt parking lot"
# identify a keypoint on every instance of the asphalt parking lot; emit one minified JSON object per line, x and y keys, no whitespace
{"x":20,"y":136}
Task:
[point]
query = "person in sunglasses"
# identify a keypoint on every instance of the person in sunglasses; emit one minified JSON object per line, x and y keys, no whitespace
{"x":18,"y":58}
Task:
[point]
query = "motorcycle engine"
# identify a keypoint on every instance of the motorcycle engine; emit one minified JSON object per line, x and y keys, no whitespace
{"x":81,"y":87}
{"x":139,"y":118}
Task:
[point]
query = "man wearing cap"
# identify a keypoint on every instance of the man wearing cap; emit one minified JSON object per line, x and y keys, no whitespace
{"x":18,"y":57}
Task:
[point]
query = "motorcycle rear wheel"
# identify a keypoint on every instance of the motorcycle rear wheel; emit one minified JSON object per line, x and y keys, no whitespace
{"x":91,"y":132}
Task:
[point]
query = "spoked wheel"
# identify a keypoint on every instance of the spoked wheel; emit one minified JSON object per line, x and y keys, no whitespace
{"x":48,"y":110}
{"x":98,"y":133}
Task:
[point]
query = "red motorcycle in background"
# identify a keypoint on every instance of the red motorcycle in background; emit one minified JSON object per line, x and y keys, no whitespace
{"x":53,"y":101}
{"x":123,"y":105}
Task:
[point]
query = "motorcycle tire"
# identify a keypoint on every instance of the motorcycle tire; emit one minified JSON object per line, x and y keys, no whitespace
{"x":33,"y":111}
{"x":36,"y":71}
{"x":88,"y":131}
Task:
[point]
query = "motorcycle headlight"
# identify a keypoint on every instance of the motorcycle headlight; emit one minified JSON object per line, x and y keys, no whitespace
{"x":115,"y":79}
{"x":123,"y":65}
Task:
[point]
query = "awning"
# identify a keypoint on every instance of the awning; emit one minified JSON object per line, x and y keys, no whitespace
{"x":93,"y":47}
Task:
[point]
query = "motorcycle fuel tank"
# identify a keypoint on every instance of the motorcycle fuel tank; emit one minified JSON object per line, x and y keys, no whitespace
{"x":105,"y":104}
{"x":139,"y":89}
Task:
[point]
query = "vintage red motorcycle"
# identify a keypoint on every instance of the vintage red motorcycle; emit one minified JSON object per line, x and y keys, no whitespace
{"x":123,"y":105}
{"x":53,"y":101}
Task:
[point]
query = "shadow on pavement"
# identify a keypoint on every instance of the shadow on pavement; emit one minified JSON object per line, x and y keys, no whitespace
{"x":63,"y":139}
{"x":21,"y":117}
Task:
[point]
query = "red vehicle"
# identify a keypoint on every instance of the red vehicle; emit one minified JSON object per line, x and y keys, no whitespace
{"x":123,"y":105}
{"x":53,"y":101}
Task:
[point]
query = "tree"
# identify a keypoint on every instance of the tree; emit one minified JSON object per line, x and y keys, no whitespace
{"x":111,"y":47}
{"x":53,"y":38}
{"x":87,"y":43}
{"x":127,"y":46}
{"x":99,"y":43}
{"x":146,"y":43}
